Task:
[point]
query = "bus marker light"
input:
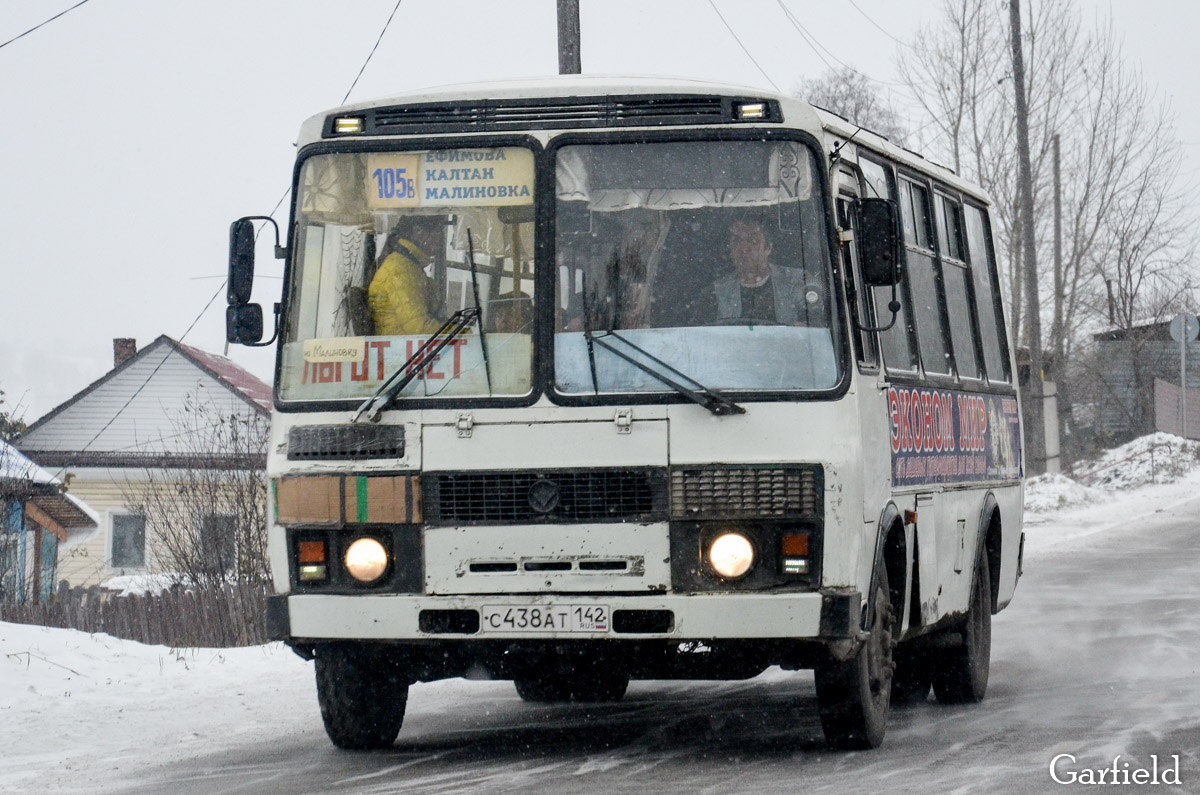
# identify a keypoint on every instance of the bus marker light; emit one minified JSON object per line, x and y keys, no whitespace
{"x":795,"y":565}
{"x":731,"y":555}
{"x":312,"y":572}
{"x":348,"y":125}
{"x":749,"y":111}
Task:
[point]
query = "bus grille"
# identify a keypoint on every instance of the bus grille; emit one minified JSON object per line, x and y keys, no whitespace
{"x":552,"y":113}
{"x":598,"y":495}
{"x":731,"y":492}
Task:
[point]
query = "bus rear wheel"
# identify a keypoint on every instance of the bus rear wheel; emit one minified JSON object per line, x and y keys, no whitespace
{"x":960,"y":673}
{"x":362,"y":697}
{"x":854,"y":697}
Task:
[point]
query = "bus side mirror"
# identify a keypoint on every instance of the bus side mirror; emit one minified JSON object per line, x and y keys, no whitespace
{"x":244,"y":323}
{"x":244,"y":320}
{"x":241,"y":262}
{"x":879,"y":241}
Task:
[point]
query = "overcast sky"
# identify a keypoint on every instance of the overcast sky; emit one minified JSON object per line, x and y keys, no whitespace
{"x":135,"y":131}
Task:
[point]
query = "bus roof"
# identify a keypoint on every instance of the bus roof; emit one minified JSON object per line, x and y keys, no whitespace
{"x":796,"y":112}
{"x":799,"y":114}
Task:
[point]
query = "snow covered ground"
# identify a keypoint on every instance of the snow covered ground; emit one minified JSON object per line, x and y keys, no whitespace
{"x":90,"y":713}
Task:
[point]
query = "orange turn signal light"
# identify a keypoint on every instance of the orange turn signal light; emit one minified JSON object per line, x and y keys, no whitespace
{"x":311,"y":552}
{"x":794,"y":544}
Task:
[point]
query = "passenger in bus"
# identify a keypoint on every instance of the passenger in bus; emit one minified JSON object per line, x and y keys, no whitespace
{"x":511,"y":313}
{"x":758,"y":289}
{"x":619,"y":267}
{"x":402,"y":298}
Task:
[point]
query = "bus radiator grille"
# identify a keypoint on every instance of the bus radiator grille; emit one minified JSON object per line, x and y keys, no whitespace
{"x":559,"y":496}
{"x":732,"y":492}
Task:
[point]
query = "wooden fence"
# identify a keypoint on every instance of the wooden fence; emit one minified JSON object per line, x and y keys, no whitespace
{"x":221,"y":617}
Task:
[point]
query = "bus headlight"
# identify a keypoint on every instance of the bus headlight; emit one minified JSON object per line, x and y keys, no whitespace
{"x":366,"y":560}
{"x":731,"y":555}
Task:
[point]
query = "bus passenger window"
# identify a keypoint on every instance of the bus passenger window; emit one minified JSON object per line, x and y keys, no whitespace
{"x":923,"y":279}
{"x":954,"y":276}
{"x":983,"y":276}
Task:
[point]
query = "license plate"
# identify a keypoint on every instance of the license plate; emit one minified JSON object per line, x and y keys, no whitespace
{"x":544,"y":618}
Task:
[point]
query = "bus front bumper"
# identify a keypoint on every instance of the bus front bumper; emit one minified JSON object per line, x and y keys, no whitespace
{"x":825,"y":615}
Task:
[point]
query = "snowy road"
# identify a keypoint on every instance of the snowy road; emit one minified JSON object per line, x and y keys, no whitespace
{"x":1099,"y":655}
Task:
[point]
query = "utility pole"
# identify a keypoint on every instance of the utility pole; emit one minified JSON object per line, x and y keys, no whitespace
{"x":1035,"y":426}
{"x":568,"y":37}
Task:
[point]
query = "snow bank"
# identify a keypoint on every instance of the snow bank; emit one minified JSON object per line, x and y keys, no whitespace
{"x":140,"y":584}
{"x":1053,"y":492}
{"x":86,"y":709}
{"x":1157,"y":458}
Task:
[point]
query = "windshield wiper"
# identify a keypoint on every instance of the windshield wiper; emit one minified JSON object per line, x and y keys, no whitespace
{"x":426,"y":353}
{"x":711,"y":399}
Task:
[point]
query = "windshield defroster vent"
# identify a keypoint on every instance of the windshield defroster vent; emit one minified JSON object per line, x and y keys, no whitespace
{"x":345,"y":442}
{"x":554,"y":113}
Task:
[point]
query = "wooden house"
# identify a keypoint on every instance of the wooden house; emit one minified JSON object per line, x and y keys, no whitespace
{"x":36,"y":515}
{"x":138,"y":423}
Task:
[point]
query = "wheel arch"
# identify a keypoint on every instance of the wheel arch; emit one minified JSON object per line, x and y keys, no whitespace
{"x":991,"y":541}
{"x":892,"y":552}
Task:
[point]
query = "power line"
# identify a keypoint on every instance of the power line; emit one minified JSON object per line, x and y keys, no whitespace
{"x":743,"y":46}
{"x":814,"y":43}
{"x":882,"y":29}
{"x":369,"y":55}
{"x":220,"y":289}
{"x":47,"y":22}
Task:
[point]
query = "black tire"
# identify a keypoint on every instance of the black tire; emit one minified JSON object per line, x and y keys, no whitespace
{"x":854,"y":697}
{"x":543,"y":690}
{"x":960,"y":673}
{"x":362,"y":697}
{"x":912,"y":679}
{"x":600,"y":687}
{"x":590,"y":688}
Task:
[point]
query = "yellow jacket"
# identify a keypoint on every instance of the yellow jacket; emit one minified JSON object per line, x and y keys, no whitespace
{"x":402,"y":298}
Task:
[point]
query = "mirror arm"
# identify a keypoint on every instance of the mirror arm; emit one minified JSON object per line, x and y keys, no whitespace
{"x":893,"y":307}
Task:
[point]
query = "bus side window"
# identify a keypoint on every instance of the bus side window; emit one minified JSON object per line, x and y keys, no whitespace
{"x":958,"y":288}
{"x":895,"y":343}
{"x":983,"y":275}
{"x":860,"y":306}
{"x":924,"y":282}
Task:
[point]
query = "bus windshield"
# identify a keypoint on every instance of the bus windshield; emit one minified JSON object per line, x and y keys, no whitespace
{"x":388,"y":247}
{"x":708,"y":258}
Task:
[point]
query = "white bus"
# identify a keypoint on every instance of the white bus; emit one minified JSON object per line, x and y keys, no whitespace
{"x":585,"y":380}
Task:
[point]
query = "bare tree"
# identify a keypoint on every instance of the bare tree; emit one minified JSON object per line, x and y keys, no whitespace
{"x":1125,"y":219}
{"x":851,"y":94}
{"x":206,"y":506}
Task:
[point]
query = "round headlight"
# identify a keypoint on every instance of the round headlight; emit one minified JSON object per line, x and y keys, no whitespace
{"x":366,"y":560}
{"x":731,"y":555}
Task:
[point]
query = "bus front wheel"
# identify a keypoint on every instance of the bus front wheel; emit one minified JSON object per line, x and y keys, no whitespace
{"x":854,"y":697}
{"x":362,"y":697}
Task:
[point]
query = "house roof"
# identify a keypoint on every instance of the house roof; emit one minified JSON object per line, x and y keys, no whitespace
{"x":233,"y":377}
{"x":24,"y":480}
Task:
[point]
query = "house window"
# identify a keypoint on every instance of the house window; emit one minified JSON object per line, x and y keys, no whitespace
{"x":128,"y":541}
{"x":217,"y":542}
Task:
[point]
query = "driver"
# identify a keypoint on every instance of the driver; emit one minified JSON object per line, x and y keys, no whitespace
{"x":757,"y":289}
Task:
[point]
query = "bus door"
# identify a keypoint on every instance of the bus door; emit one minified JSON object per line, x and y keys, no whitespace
{"x":872,"y":391}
